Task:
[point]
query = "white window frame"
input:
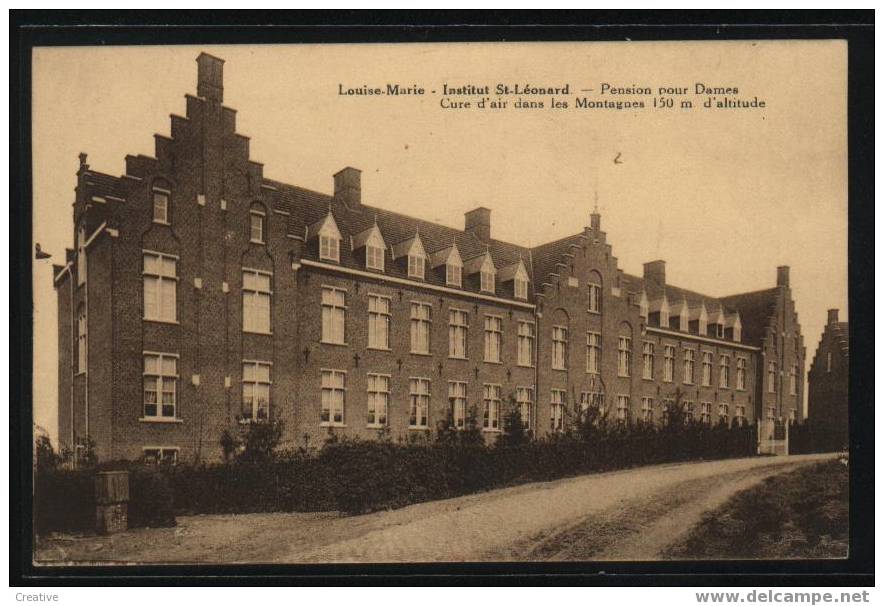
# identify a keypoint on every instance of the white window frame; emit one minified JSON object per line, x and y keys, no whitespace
{"x":491,"y":397}
{"x":647,"y":409}
{"x":493,"y":338}
{"x":421,"y":327}
{"x":457,"y":400}
{"x":527,"y":331}
{"x":525,"y":404}
{"x":458,"y":333}
{"x":334,"y":316}
{"x":261,"y":217}
{"x":593,"y":352}
{"x":378,"y":402}
{"x":256,"y":386}
{"x":724,"y":372}
{"x":559,"y":356}
{"x":741,"y":374}
{"x":706,"y":412}
{"x":706,"y":369}
{"x":419,"y":390}
{"x":417,"y":266}
{"x":648,"y":360}
{"x":594,"y":300}
{"x":333,"y":399}
{"x":254,"y":298}
{"x":487,"y":280}
{"x":379,"y":321}
{"x":689,"y":366}
{"x":624,"y":356}
{"x":557,"y":410}
{"x":687,"y":407}
{"x":162,"y":380}
{"x":453,"y":275}
{"x":161,"y":452}
{"x":723,"y":413}
{"x":374,"y":257}
{"x":623,"y":407}
{"x":668,"y":363}
{"x":164,"y":195}
{"x":740,"y":414}
{"x":164,"y":283}
{"x":329,"y":248}
{"x":520,"y":288}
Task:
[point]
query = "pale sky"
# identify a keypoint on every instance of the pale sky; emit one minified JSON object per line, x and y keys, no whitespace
{"x":724,"y":196}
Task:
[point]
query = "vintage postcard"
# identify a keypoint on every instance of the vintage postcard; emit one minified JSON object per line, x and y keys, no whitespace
{"x":442,"y":302}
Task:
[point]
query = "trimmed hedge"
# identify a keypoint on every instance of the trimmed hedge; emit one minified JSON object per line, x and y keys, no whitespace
{"x":356,"y":476}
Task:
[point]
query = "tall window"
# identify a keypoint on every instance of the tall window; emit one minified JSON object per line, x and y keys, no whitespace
{"x":421,"y":316}
{"x":329,"y":248}
{"x":374,"y":257}
{"x":526,"y":343}
{"x":624,"y":356}
{"x":378,"y":322}
{"x":723,"y":415}
{"x":771,"y":377}
{"x":559,"y":347}
{"x":457,"y":399}
{"x":706,"y":412}
{"x":741,"y":373}
{"x":688,"y":409}
{"x":724,"y":372}
{"x":332,"y":412}
{"x":557,"y":410}
{"x":256,"y":225}
{"x":255,"y":391}
{"x":493,"y":328}
{"x":160,"y":204}
{"x":689,"y":360}
{"x":458,"y":323}
{"x":453,"y":274}
{"x":160,"y":287}
{"x":668,"y":363}
{"x":666,"y":409}
{"x":378,"y":400}
{"x":491,"y":407}
{"x":256,"y":295}
{"x":525,"y":402}
{"x":333,"y":315}
{"x":648,"y":410}
{"x":647,"y":360}
{"x":591,"y":399}
{"x":740,"y":415}
{"x":416,"y":265}
{"x":595,"y":297}
{"x":419,"y":397}
{"x":793,"y":380}
{"x":707,"y":368}
{"x":593,"y":352}
{"x":486,"y":279}
{"x":160,"y":386}
{"x":81,"y":338}
{"x":521,"y":288}
{"x":622,"y":408}
{"x":81,"y":255}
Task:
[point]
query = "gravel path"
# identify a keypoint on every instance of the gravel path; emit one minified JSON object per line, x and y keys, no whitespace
{"x":630,"y":514}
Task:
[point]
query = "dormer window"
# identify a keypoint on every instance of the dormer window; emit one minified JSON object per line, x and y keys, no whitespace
{"x":486,"y":280}
{"x":256,"y":224}
{"x":160,"y":196}
{"x":329,"y":248}
{"x":416,"y":266}
{"x":453,"y":274}
{"x":374,"y":257}
{"x":521,"y":288}
{"x":326,"y":229}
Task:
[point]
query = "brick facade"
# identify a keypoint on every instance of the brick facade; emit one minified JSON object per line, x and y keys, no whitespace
{"x":214,"y":192}
{"x":828,"y":380}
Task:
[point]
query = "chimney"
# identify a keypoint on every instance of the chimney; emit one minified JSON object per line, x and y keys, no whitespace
{"x":478,"y":223}
{"x":595,"y":221}
{"x":210,"y":77}
{"x":833,"y":316}
{"x":783,"y":275}
{"x":348,"y":187}
{"x":655,"y":272}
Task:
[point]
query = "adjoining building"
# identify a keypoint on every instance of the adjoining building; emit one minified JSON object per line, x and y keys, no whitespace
{"x":828,"y":384}
{"x":202,"y":294}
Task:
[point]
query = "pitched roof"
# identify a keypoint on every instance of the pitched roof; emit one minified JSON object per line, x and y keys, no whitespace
{"x":545,"y":257}
{"x":755,"y":310}
{"x":101,"y":184}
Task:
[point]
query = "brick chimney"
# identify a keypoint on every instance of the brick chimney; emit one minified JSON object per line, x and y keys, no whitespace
{"x":478,"y":223}
{"x":833,"y":316}
{"x":348,"y":187}
{"x":655,"y":272}
{"x":783,"y":275}
{"x":210,"y":77}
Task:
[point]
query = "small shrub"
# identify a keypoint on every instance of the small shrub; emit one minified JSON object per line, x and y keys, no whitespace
{"x":151,"y":499}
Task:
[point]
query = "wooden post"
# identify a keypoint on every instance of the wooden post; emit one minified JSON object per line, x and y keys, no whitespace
{"x":111,"y":501}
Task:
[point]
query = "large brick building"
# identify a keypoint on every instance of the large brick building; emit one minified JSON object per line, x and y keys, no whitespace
{"x":828,"y":382}
{"x":202,"y":294}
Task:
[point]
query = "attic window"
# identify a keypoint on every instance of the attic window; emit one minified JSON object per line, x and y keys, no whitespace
{"x":256,"y":224}
{"x":374,"y":257}
{"x":416,"y":265}
{"x":160,"y":196}
{"x":521,"y":287}
{"x":329,"y":248}
{"x":486,"y":280}
{"x":453,"y":274}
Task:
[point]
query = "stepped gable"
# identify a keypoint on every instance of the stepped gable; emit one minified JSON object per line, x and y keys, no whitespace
{"x":755,"y":310}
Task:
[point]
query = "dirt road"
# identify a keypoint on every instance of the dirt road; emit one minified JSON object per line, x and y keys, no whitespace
{"x":625,"y":515}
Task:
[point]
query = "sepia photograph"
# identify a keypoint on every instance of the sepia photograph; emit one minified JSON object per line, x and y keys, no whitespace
{"x":465,"y":302}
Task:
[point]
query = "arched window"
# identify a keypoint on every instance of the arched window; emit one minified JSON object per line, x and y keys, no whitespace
{"x":81,"y":338}
{"x":257,"y":220}
{"x":161,"y":193}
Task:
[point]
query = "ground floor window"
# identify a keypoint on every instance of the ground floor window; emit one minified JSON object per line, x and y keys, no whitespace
{"x":688,"y":410}
{"x":525,"y":402}
{"x":378,"y":400}
{"x":491,"y":408}
{"x":557,"y":410}
{"x":740,"y":415}
{"x":457,"y":399}
{"x":332,"y":412}
{"x":255,"y":391}
{"x":419,"y":396}
{"x":706,"y":412}
{"x":723,"y":413}
{"x":648,"y":410}
{"x":622,"y":408}
{"x":155,"y":455}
